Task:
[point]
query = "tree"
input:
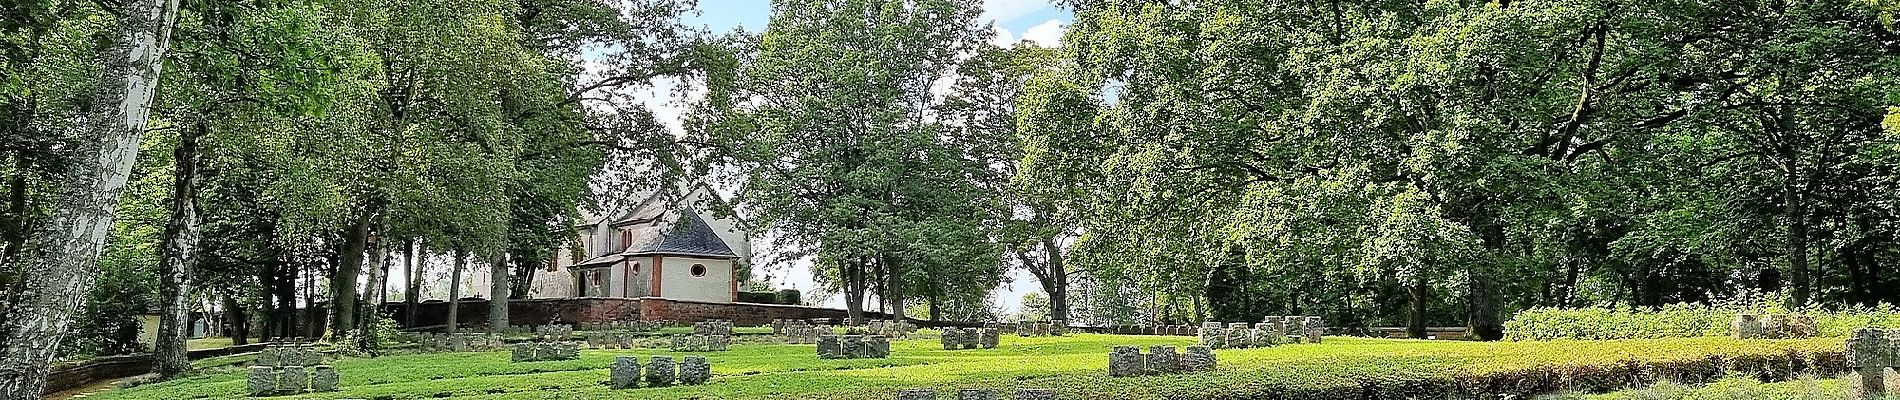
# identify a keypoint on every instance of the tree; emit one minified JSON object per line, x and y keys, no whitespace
{"x":827,"y":122}
{"x":71,"y":239}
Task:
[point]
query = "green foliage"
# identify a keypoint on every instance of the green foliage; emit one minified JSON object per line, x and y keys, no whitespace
{"x":1806,"y":388}
{"x":1683,"y":320}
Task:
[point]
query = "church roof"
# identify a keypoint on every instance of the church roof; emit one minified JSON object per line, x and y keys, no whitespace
{"x":687,"y":234}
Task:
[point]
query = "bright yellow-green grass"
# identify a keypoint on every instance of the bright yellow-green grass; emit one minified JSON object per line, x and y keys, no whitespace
{"x":1074,"y":365}
{"x":1806,"y":388}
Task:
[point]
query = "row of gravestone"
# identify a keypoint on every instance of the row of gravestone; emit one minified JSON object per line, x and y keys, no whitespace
{"x":780,"y":325}
{"x":853,"y":346}
{"x":1129,"y":361}
{"x":290,"y":369}
{"x":1870,"y":352}
{"x":544,"y":351}
{"x":627,"y":373}
{"x":631,"y":326}
{"x":612,"y":340}
{"x":1274,"y":331}
{"x":898,"y":330}
{"x":1160,"y":330}
{"x":713,"y":327}
{"x":1050,"y":328}
{"x":291,"y":379}
{"x":798,"y":331}
{"x":701,"y":342}
{"x":1774,"y":326}
{"x":970,"y":338}
{"x":302,"y":355}
{"x":977,"y":394}
{"x":458,"y":342}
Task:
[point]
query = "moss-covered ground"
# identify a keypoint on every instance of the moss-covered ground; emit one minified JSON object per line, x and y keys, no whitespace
{"x":1076,"y":366}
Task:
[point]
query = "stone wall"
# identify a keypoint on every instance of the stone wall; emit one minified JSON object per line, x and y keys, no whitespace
{"x":69,"y":376}
{"x":604,"y":310}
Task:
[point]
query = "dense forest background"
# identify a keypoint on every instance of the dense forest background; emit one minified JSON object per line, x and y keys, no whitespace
{"x":1378,"y":163}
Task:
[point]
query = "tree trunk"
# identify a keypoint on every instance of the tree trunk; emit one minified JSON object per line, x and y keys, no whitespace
{"x":498,"y":289}
{"x":1484,"y":318}
{"x":369,"y":303}
{"x":1415,"y":311}
{"x":413,"y":292}
{"x":455,"y":289}
{"x":894,"y":290}
{"x":343,"y":299}
{"x":286,"y":312}
{"x":177,"y":257}
{"x":240,"y":331}
{"x":1795,"y":210}
{"x":854,"y":292}
{"x":67,"y":257}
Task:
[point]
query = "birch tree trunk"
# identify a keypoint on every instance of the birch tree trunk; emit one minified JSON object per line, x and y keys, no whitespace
{"x":178,"y":256}
{"x":67,"y":255}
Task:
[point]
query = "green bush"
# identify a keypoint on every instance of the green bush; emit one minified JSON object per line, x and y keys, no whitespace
{"x":1683,"y":320}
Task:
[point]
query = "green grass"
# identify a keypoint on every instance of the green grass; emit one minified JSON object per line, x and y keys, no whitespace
{"x":1806,"y":388}
{"x":207,"y":343}
{"x":1075,"y":365}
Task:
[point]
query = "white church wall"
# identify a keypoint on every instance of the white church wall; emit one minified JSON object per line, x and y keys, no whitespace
{"x":677,"y":280}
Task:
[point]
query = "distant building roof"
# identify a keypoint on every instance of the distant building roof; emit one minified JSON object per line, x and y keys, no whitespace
{"x":686,"y":234}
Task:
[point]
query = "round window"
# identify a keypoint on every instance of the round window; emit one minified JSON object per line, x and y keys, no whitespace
{"x":699,"y":270}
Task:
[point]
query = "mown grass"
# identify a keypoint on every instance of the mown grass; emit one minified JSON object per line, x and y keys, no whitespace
{"x":1075,"y":366}
{"x":1805,"y":388}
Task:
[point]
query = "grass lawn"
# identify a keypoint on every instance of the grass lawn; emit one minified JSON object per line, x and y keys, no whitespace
{"x":1074,"y":365}
{"x":207,"y":343}
{"x":1806,"y":388}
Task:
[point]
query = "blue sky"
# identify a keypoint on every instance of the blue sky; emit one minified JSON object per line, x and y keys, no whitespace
{"x":1017,"y":17}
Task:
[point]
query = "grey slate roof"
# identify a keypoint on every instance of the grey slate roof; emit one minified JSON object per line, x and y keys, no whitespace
{"x":687,"y":235}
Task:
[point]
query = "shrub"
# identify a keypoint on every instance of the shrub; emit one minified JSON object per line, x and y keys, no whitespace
{"x":1683,"y":320}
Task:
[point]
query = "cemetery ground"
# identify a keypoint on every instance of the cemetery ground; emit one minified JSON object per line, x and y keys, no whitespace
{"x":1075,"y":365}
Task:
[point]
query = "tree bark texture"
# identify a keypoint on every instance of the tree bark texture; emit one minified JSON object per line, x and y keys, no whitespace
{"x":67,"y":256}
{"x":498,"y":289}
{"x":343,"y":300}
{"x":178,"y":256}
{"x":455,"y":290}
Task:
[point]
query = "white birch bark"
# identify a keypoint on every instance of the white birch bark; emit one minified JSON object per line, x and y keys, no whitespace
{"x":66,"y":256}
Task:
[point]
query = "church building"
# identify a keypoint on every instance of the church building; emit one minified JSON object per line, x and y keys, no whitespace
{"x":655,"y":249}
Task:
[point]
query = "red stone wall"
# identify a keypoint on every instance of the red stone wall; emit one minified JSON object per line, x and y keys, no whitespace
{"x":600,"y":309}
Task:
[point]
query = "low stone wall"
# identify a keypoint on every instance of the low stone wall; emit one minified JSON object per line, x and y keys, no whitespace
{"x":74,"y":375}
{"x":595,"y":310}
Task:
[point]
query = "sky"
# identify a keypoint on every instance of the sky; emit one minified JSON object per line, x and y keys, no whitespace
{"x":1038,"y":21}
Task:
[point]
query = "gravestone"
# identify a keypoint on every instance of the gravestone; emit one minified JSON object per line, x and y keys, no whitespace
{"x":1775,"y":326}
{"x":1126,"y":361}
{"x":323,"y":378}
{"x":1870,"y":352}
{"x":969,"y":338}
{"x":694,"y":370}
{"x":1163,"y":360}
{"x":1237,"y":336}
{"x":295,"y":379}
{"x":917,"y":394}
{"x":262,"y":381}
{"x":990,"y":337}
{"x":949,"y":339}
{"x":1058,"y":327}
{"x":877,"y":346}
{"x":976,"y":394}
{"x":830,"y":347}
{"x":1198,"y":358}
{"x":1212,"y":335}
{"x":625,"y":373}
{"x":660,"y":371}
{"x":1035,"y":394}
{"x":852,"y":346}
{"x":1315,"y":329}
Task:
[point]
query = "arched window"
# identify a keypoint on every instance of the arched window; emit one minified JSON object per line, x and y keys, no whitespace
{"x":699,"y":270}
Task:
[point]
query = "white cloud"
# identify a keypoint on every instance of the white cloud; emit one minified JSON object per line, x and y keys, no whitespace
{"x":1003,"y":11}
{"x":1003,"y":38}
{"x":1047,"y":34}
